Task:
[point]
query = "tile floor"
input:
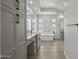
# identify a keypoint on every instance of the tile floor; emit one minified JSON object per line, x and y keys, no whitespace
{"x":50,"y":50}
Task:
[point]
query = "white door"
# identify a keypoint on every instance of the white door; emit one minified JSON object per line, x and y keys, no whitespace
{"x":71,"y":28}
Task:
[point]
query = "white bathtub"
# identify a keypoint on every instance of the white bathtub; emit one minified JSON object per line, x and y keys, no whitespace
{"x":47,"y":36}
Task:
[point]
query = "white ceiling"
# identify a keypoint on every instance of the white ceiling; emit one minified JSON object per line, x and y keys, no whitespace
{"x":52,"y":3}
{"x":41,"y":6}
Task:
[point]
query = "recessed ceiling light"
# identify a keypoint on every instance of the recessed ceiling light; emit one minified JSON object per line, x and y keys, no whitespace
{"x":35,"y":8}
{"x":61,"y":16}
{"x":31,"y":2}
{"x":46,"y":13}
{"x":65,"y":3}
{"x":51,"y":4}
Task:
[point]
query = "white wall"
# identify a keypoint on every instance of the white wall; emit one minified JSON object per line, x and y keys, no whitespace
{"x":71,"y":32}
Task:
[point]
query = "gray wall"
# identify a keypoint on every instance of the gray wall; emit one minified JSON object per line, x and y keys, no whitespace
{"x":71,"y":32}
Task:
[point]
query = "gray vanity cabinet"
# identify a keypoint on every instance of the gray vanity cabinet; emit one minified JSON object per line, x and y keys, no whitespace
{"x":13,"y":29}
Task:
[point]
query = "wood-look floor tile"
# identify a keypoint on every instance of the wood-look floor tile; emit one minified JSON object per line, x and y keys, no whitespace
{"x":50,"y":50}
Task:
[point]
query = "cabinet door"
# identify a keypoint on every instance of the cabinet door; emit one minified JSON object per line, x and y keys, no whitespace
{"x":20,"y":30}
{"x":20,"y":38}
{"x":21,"y":52}
{"x":7,"y":31}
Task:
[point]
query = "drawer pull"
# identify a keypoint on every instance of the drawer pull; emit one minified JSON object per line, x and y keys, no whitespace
{"x":18,"y":19}
{"x":17,"y":8}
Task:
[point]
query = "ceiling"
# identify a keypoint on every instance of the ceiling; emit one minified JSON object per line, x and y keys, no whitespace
{"x":46,"y":6}
{"x":52,"y":3}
